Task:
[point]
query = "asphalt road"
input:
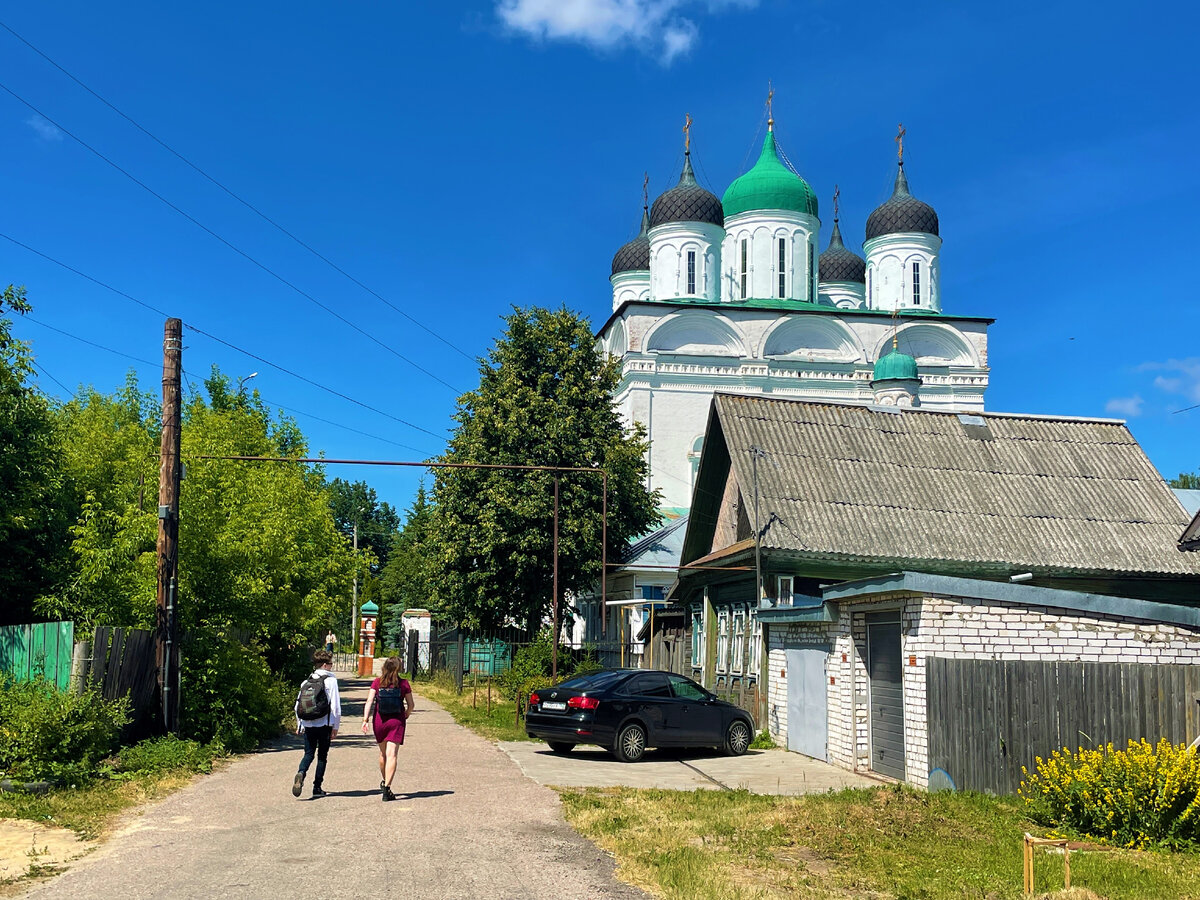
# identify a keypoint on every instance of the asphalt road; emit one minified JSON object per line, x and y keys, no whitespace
{"x":467,"y":824}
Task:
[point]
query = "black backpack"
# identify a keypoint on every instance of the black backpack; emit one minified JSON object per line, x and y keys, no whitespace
{"x":389,"y":701}
{"x":313,"y":702}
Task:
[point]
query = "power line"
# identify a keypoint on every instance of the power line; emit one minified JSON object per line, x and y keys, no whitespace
{"x":227,"y":243}
{"x":166,"y":315}
{"x":84,"y":340}
{"x":235,"y":196}
{"x":42,"y":371}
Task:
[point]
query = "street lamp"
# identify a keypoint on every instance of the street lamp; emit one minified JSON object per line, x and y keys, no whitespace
{"x":244,"y":379}
{"x":354,"y":609}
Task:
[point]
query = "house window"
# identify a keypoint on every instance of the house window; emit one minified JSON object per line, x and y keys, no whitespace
{"x":739,"y":640}
{"x":755,"y":644}
{"x":812,"y":265}
{"x":697,"y":639}
{"x":723,"y":640}
{"x":782,"y":267}
{"x":784,"y":596}
{"x":745,"y":263}
{"x":694,"y":459}
{"x":916,"y":284}
{"x":691,"y":275}
{"x":651,"y":591}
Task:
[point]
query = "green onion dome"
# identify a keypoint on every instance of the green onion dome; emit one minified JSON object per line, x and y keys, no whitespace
{"x":769,"y":185}
{"x":902,"y":213}
{"x":635,"y":256}
{"x":895,"y":365}
{"x":686,"y":202}
{"x":838,"y":263}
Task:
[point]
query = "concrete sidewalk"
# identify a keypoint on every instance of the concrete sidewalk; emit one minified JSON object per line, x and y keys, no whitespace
{"x":759,"y":771}
{"x":467,"y":824}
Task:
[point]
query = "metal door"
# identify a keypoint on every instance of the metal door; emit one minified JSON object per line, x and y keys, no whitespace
{"x":807,"y":713}
{"x":886,"y":673}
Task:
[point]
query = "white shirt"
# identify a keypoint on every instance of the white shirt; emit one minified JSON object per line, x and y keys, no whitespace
{"x":334,"y":719}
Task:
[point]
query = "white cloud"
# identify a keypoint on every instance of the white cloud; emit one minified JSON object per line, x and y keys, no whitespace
{"x":655,"y":27}
{"x":45,"y":129}
{"x":1182,"y":376}
{"x":1129,"y":407}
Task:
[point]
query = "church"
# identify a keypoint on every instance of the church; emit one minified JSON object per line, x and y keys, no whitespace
{"x":731,"y":294}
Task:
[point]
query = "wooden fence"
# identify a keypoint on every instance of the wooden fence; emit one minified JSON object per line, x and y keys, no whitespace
{"x":27,"y":651}
{"x":122,"y":662}
{"x":988,"y":718}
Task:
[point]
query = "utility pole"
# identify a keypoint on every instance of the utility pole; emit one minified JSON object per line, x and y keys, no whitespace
{"x":354,"y":609}
{"x":755,"y":453}
{"x":554,"y":601}
{"x":166,"y":643}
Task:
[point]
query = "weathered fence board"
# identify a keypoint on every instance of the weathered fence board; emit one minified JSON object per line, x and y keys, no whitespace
{"x":988,"y":718}
{"x":123,"y":665}
{"x":27,"y":651}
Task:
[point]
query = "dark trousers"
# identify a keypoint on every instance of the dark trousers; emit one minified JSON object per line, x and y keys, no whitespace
{"x":316,"y":743}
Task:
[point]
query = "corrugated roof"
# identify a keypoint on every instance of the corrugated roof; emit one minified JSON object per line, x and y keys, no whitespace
{"x":658,"y":548}
{"x":1191,"y":535}
{"x":859,"y":483}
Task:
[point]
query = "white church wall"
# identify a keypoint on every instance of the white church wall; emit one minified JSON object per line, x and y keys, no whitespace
{"x":762,"y":231}
{"x":889,"y":271}
{"x":669,"y":246}
{"x":843,"y":294}
{"x":629,"y":287}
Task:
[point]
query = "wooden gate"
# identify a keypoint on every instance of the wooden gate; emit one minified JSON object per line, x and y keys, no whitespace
{"x":44,"y":649}
{"x":988,"y":718}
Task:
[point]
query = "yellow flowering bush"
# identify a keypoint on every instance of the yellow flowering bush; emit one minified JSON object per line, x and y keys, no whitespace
{"x":1137,"y":797}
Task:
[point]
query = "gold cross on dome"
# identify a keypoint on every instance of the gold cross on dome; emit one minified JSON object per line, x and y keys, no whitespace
{"x":770,"y":110}
{"x":837,"y":193}
{"x":645,"y":189}
{"x":900,"y":142}
{"x":687,"y":133}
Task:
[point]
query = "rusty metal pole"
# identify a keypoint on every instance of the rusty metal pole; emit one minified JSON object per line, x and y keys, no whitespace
{"x":604,"y":551}
{"x":166,"y":647}
{"x":554,"y":600}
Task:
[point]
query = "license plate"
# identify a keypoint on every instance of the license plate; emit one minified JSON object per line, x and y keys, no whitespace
{"x":557,"y":705}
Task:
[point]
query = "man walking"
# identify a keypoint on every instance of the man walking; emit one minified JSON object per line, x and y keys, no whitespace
{"x":318,"y":715}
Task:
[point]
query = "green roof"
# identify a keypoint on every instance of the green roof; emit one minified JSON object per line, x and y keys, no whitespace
{"x":769,"y":185}
{"x":369,"y":608}
{"x":895,"y":365}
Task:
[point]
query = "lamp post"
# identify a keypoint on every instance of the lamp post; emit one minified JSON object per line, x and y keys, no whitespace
{"x":354,"y":608}
{"x":243,"y":379}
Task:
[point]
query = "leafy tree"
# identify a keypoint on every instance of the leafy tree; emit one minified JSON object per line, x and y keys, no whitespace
{"x":33,"y":521}
{"x":357,"y":502}
{"x":544,"y":398}
{"x":404,"y":583}
{"x":1186,"y":480}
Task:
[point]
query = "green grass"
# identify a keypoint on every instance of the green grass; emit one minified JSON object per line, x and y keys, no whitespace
{"x":471,"y":709}
{"x":878,"y":843}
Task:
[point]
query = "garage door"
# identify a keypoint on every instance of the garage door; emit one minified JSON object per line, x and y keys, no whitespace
{"x":808,"y":719}
{"x":887,"y":694}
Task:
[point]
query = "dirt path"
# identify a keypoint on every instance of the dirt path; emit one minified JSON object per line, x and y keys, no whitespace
{"x":467,"y":824}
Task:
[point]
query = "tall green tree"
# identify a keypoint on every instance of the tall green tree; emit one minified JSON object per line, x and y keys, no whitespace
{"x":544,"y":398}
{"x":33,"y":518}
{"x":1186,"y":480}
{"x":356,"y":502}
{"x":404,"y":582}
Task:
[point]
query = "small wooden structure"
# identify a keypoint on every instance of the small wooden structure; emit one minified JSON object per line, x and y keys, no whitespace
{"x":1030,"y":843}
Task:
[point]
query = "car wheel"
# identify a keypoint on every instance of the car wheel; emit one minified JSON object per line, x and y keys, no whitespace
{"x":631,"y":743}
{"x":562,"y":748}
{"x":737,"y":738}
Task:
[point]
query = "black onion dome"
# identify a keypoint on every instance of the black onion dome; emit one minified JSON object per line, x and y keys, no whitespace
{"x":635,"y":256}
{"x":902,"y":213}
{"x":840,"y":264}
{"x":687,"y":202}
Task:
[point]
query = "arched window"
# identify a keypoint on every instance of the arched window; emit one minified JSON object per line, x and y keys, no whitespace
{"x":782,"y":267}
{"x":812,"y":265}
{"x":870,"y":294}
{"x":691,"y":271}
{"x":916,"y":283}
{"x":745,"y":264}
{"x":694,"y":458}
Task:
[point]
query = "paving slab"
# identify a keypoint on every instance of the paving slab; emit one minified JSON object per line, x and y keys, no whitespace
{"x":759,"y":771}
{"x":467,"y":824}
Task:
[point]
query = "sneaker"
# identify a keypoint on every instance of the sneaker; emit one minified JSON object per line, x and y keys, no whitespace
{"x":387,"y":794}
{"x":318,"y":792}
{"x":297,"y":784}
{"x":383,"y":785}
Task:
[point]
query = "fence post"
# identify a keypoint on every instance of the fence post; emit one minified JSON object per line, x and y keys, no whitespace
{"x":458,"y":675}
{"x":413,"y":649}
{"x":81,"y":656}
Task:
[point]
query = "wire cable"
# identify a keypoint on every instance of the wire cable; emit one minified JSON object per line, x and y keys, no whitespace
{"x":42,"y":371}
{"x":166,"y":315}
{"x":237,"y":197}
{"x":84,"y":340}
{"x":227,"y":243}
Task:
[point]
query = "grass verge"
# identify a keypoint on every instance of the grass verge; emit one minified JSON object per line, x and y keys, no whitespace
{"x":878,"y":843}
{"x":471,"y":709}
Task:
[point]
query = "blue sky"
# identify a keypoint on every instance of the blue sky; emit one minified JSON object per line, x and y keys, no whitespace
{"x":459,"y":158}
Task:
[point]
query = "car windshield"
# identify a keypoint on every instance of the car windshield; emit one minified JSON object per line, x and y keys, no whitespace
{"x":591,"y":681}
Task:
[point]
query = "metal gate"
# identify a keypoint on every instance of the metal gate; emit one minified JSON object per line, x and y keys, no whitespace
{"x":886,"y":676}
{"x":807,"y":710}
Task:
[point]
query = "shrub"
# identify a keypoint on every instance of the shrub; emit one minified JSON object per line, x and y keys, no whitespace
{"x":1136,"y":797}
{"x":48,"y":733}
{"x":164,"y":754}
{"x":229,"y":694}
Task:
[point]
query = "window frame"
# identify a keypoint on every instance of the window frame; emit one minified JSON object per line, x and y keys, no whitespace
{"x":737,"y":645}
{"x":691,"y":272}
{"x":756,"y":636}
{"x":791,"y":590}
{"x":916,"y":282}
{"x":697,"y":638}
{"x":745,"y":267}
{"x":722,"y":640}
{"x":782,"y":267}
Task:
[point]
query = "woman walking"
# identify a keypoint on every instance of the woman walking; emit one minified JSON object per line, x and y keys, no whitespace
{"x":389,"y":703}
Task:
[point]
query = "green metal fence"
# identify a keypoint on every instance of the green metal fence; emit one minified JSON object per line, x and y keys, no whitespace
{"x":27,"y":651}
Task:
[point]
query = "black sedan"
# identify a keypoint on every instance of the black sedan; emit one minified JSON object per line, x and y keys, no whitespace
{"x":627,"y":710}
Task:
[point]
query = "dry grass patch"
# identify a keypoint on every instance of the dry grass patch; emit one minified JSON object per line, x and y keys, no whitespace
{"x":878,"y":843}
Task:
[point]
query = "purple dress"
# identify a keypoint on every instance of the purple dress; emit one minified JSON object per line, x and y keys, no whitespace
{"x":390,"y":730}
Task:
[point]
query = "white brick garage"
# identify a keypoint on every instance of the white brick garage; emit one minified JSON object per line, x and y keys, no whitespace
{"x":956,"y":619}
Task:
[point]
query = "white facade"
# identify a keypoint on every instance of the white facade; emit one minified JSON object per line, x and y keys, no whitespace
{"x":685,"y":261}
{"x":770,"y":253}
{"x":675,"y":356}
{"x":902,"y":271}
{"x":630,"y":286}
{"x":842,"y":294}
